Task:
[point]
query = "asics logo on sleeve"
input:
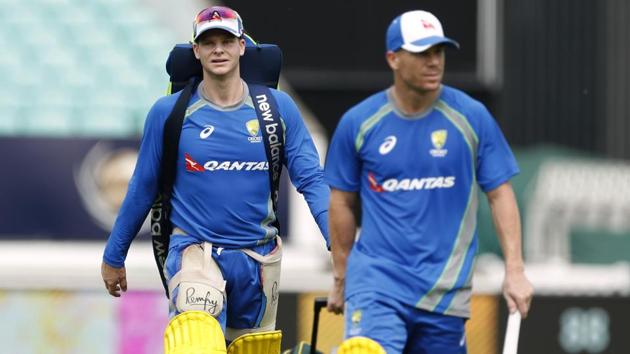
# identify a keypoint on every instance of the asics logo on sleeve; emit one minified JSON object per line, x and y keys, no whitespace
{"x":206,"y":132}
{"x":387,"y":145}
{"x":410,"y":184}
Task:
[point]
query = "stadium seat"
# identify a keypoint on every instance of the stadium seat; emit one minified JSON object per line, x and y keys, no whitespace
{"x":105,"y":53}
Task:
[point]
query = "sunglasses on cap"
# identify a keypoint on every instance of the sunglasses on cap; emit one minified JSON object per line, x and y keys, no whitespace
{"x":219,"y":17}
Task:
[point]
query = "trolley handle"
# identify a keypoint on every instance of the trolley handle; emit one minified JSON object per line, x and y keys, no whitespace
{"x":320,"y":302}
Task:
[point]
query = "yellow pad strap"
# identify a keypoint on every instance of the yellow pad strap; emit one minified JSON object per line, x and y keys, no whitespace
{"x":257,"y":343}
{"x":360,"y":345}
{"x":194,"y":332}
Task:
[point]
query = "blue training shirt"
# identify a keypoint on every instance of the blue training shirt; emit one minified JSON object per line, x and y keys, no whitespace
{"x":418,"y":179}
{"x":221,"y":192}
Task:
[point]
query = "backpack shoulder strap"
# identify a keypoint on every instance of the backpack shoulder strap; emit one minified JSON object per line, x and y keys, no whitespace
{"x":160,"y":211}
{"x":272,"y":132}
{"x":172,"y":132}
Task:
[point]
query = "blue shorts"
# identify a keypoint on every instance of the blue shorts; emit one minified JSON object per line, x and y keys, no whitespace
{"x":401,"y":328}
{"x":245,"y":299}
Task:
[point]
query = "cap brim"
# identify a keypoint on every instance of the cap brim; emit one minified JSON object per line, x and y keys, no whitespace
{"x":211,"y":26}
{"x":426,"y":43}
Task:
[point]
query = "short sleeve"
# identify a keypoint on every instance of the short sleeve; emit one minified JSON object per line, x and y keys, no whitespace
{"x":495,"y":161}
{"x":343,"y":167}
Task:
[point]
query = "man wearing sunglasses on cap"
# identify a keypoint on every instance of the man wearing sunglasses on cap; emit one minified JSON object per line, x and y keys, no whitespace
{"x":224,"y":253}
{"x":417,"y":154}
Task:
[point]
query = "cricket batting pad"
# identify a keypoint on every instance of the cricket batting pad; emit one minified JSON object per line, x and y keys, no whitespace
{"x":194,"y":332}
{"x":360,"y":345}
{"x":257,"y":343}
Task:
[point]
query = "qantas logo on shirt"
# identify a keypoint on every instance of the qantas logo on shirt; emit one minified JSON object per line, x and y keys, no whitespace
{"x":194,"y":166}
{"x":374,"y":183}
{"x":410,"y":184}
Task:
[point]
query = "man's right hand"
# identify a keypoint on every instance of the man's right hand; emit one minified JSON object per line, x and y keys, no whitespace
{"x":115,"y":279}
{"x":335,"y":297}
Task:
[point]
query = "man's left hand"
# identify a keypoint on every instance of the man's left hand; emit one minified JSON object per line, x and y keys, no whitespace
{"x":517,"y":291}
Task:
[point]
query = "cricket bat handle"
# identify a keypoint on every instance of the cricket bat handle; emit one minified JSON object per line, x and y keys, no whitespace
{"x":510,"y":346}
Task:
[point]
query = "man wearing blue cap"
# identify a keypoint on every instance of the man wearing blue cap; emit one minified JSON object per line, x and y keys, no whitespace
{"x":417,"y":154}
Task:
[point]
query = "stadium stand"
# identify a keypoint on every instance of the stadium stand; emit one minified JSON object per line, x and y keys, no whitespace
{"x":79,"y":68}
{"x":574,"y":208}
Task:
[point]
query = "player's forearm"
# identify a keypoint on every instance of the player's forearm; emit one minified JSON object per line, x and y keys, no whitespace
{"x":307,"y":176}
{"x":322,"y":223}
{"x":342,"y":231}
{"x":317,"y":196}
{"x":507,"y":221}
{"x":128,"y":224}
{"x":141,"y":193}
